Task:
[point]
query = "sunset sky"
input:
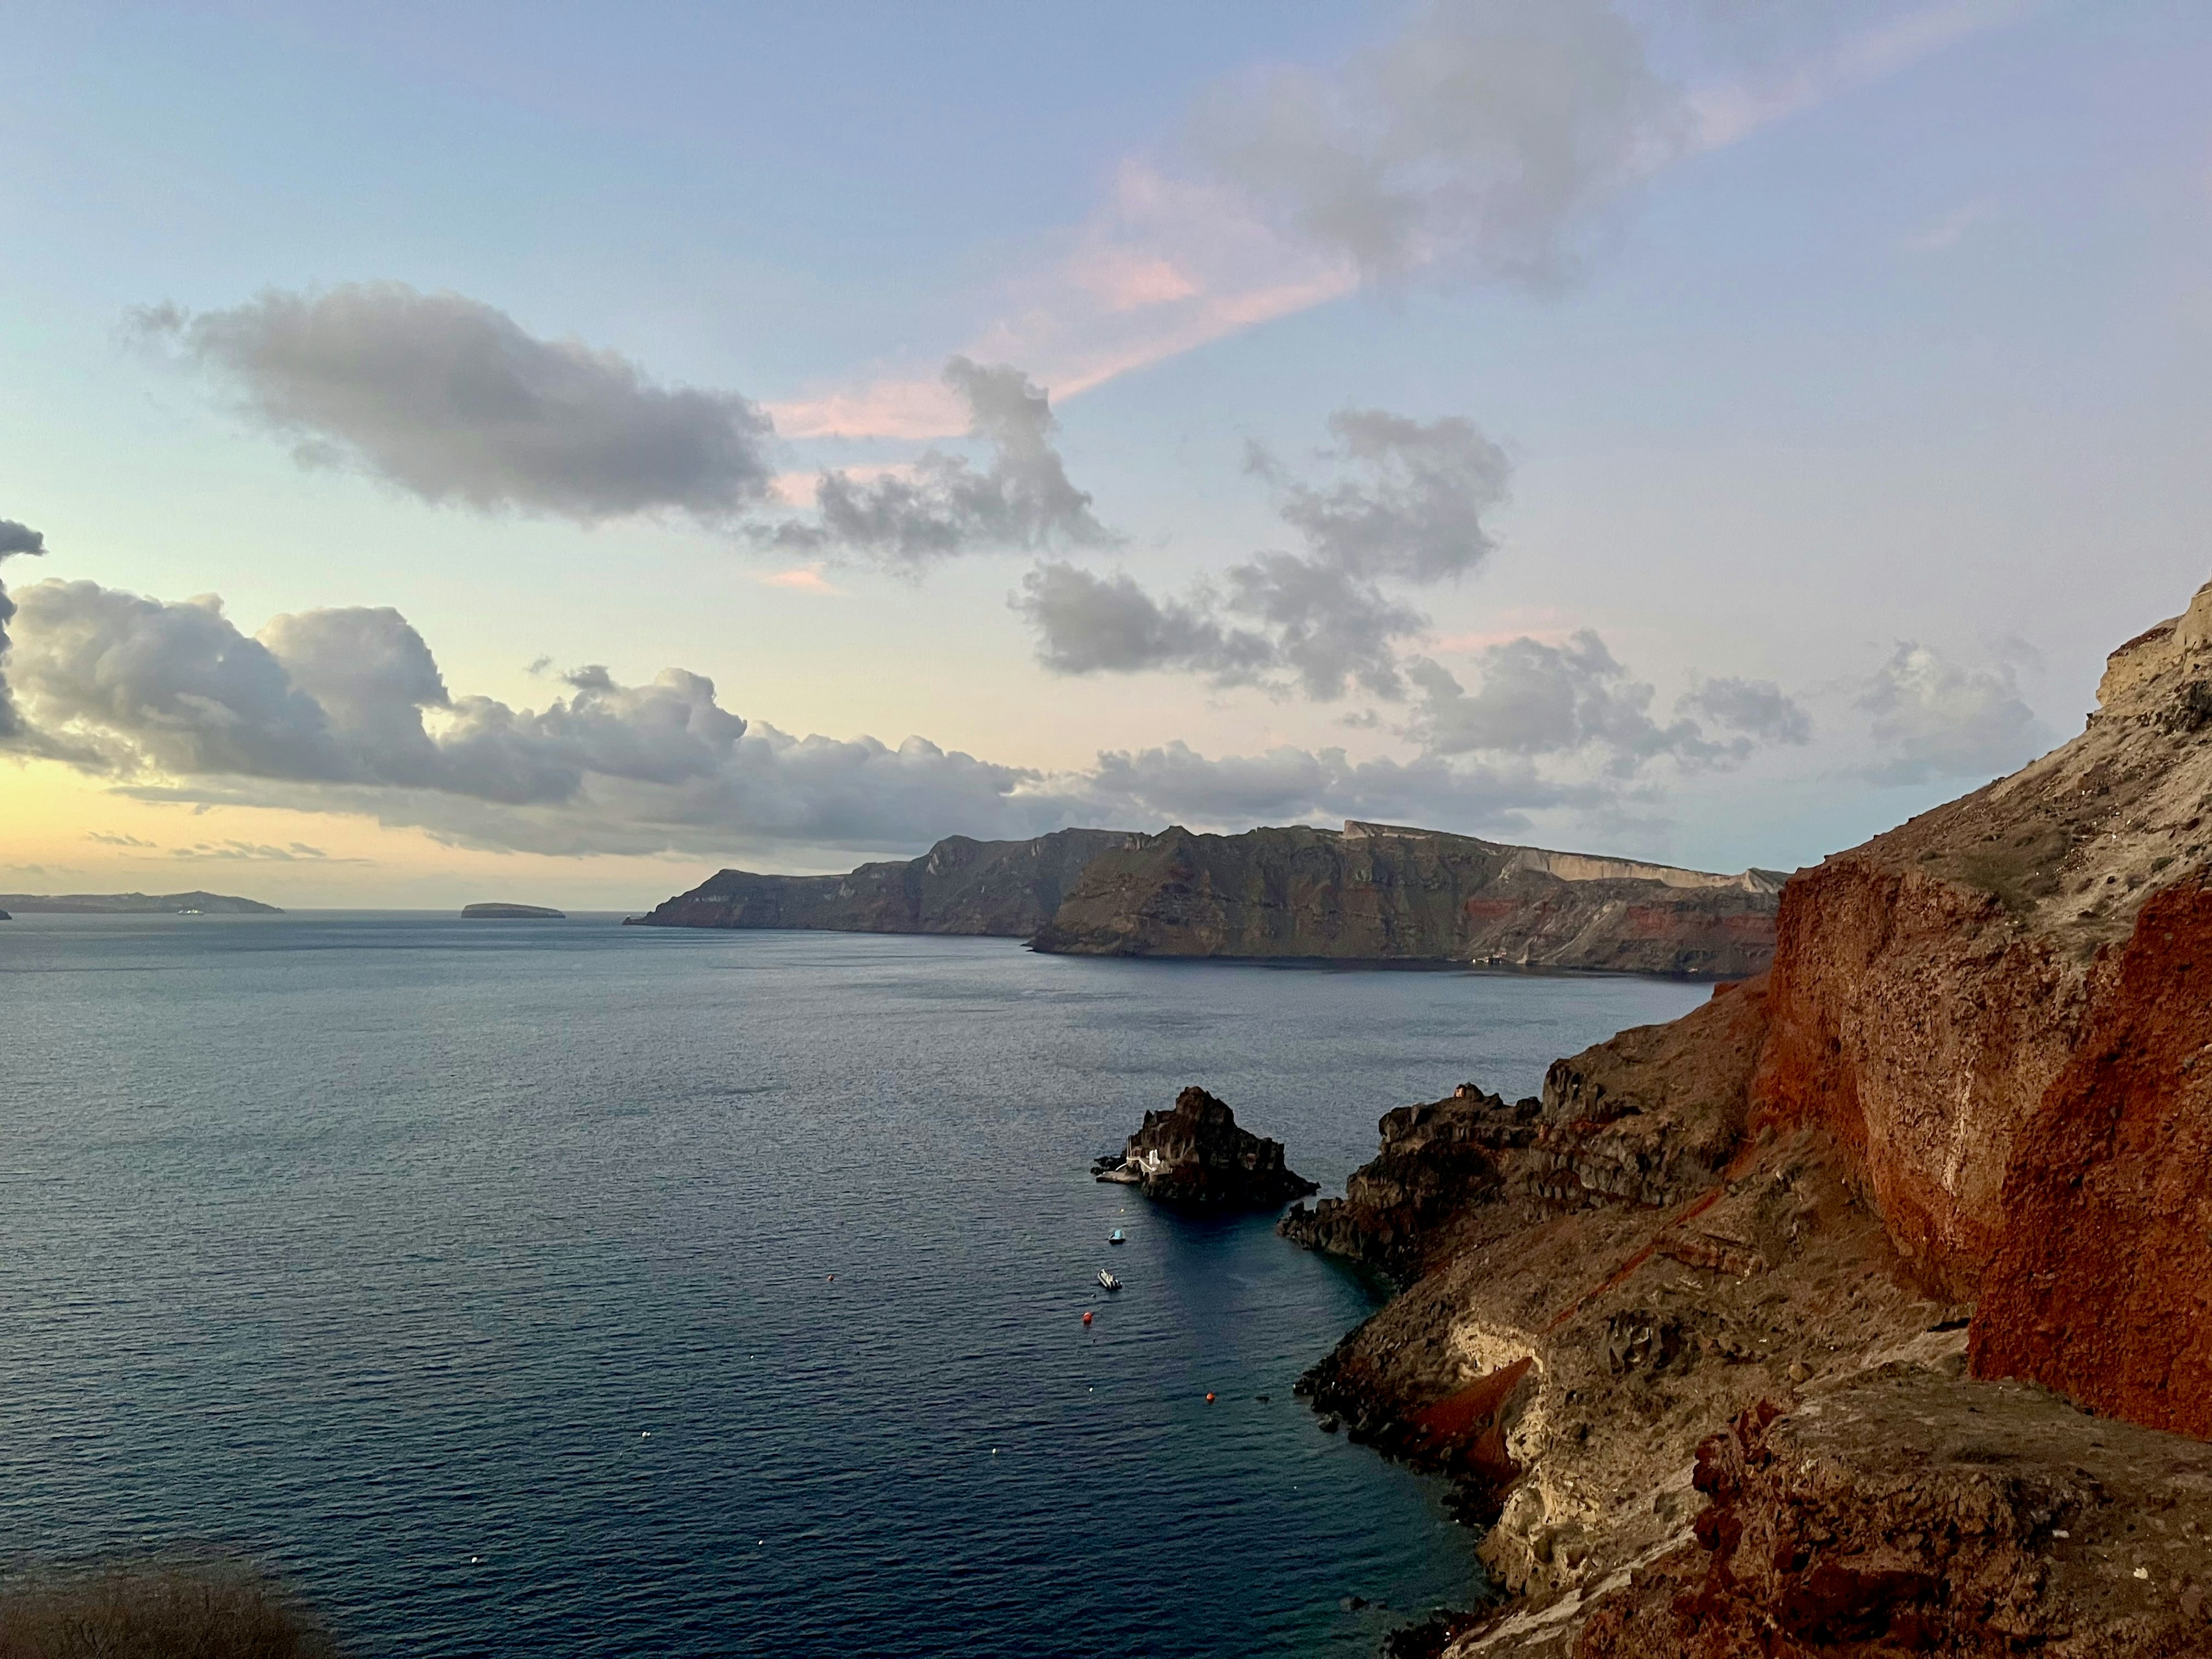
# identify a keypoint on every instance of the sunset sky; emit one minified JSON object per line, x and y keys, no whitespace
{"x":504,"y":452}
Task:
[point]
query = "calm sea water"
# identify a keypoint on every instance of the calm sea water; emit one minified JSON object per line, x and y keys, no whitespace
{"x":477,"y":1277}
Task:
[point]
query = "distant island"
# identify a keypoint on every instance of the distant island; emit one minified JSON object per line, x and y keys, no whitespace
{"x":135,"y":904}
{"x":510,"y":913}
{"x":1369,"y":892}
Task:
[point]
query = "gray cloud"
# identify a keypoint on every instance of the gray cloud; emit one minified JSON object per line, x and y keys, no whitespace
{"x":1407,"y":512}
{"x":1024,"y":500}
{"x":346,"y":711}
{"x":1575,"y":699}
{"x":1760,"y":709}
{"x":1090,"y":625}
{"x":1484,"y":138}
{"x":1933,"y":719}
{"x":14,"y":538}
{"x":450,"y":399}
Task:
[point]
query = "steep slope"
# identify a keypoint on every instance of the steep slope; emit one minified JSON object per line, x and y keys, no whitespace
{"x":1001,"y":888}
{"x":1378,"y":892}
{"x":1699,"y":1341}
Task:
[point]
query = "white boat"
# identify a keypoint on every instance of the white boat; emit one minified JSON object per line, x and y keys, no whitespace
{"x":1107,"y":1281}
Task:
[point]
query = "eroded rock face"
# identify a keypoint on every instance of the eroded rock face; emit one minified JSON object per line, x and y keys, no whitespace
{"x":1980,"y":1067}
{"x":1930,"y":985}
{"x":1437,"y":1160}
{"x":1375,"y":892}
{"x":1005,"y":889}
{"x":2101,"y":1285}
{"x":1196,"y":1155}
{"x":1908,"y":1511}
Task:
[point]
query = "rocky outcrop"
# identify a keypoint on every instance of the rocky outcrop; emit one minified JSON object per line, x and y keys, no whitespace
{"x":510,"y":913}
{"x":1007,"y":888}
{"x":1378,"y":892}
{"x":1196,"y":1155}
{"x":1437,"y":1162}
{"x":1907,"y":1511}
{"x":1971,"y":1088}
{"x":135,"y":904}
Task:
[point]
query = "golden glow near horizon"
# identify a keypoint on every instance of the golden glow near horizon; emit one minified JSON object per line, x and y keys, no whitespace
{"x":68,"y":833}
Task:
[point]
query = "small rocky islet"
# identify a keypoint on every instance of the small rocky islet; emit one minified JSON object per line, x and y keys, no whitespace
{"x":1195,"y":1154}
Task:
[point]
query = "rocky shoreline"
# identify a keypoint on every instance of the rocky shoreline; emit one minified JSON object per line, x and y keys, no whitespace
{"x":1867,"y":1309}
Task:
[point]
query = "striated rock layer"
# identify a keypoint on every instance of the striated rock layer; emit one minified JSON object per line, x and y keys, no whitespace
{"x":1379,"y":892}
{"x":1693,"y":1332}
{"x":1195,"y":1154}
{"x":1002,"y":888}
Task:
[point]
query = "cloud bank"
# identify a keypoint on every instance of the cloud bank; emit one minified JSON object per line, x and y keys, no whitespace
{"x":450,"y":399}
{"x":347,"y":711}
{"x":1407,"y":512}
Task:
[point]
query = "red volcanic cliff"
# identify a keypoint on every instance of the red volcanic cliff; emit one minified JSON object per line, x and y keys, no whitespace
{"x":2101,"y":1287}
{"x":1975,"y":1086}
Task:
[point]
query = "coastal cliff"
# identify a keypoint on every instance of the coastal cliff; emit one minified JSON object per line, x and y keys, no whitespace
{"x":1379,"y":892}
{"x":1796,"y":1327}
{"x":1005,"y":889}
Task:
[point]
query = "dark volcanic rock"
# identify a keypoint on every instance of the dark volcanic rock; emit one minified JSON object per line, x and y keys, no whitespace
{"x":1004,"y":889}
{"x":1378,"y":892}
{"x":1196,"y":1154}
{"x":510,"y":913}
{"x":1434,"y":1161}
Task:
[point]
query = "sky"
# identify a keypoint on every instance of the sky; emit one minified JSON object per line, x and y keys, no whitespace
{"x":549,"y":453}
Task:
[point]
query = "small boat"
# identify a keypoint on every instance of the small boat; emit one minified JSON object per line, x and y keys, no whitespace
{"x":1117,"y":1237}
{"x":1107,"y":1281}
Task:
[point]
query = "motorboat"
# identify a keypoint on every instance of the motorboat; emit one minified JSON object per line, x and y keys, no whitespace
{"x":1117,"y":1237}
{"x":1107,"y":1281}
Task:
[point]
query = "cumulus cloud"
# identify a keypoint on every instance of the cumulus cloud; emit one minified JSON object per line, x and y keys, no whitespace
{"x":1933,"y":718}
{"x":1760,"y":709}
{"x":943,"y":505}
{"x":1406,"y":512}
{"x":1535,"y":698}
{"x":452,"y":400}
{"x":14,"y":538}
{"x":347,"y":711}
{"x":1480,"y":139}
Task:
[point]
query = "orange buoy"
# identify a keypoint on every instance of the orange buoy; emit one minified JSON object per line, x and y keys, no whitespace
{"x":1209,"y":1400}
{"x":1086,"y":1315}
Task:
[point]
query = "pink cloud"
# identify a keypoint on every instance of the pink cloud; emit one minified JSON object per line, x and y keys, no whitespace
{"x":1165,"y":266}
{"x":804,"y":579}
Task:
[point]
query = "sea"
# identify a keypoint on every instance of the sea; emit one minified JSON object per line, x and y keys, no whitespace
{"x":561,"y":1288}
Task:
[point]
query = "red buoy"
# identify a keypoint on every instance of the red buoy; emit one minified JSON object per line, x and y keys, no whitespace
{"x":1209,"y":1400}
{"x":1086,"y":1315}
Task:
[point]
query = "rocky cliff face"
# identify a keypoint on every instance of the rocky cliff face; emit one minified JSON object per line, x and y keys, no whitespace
{"x":1375,"y":892}
{"x":1005,"y":889}
{"x":1700,"y":1347}
{"x":1196,"y":1155}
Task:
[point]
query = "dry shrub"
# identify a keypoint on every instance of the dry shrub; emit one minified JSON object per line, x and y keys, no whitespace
{"x":155,"y":1610}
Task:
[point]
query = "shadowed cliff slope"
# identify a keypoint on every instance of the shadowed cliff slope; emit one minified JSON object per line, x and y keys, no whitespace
{"x":1001,"y":888}
{"x":1377,"y":892}
{"x":1716,"y":1333}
